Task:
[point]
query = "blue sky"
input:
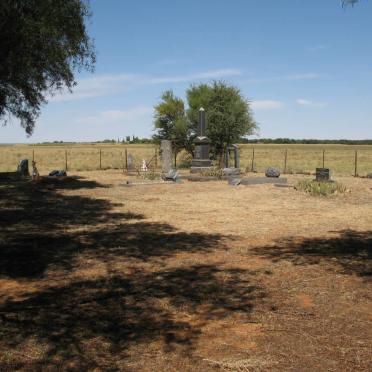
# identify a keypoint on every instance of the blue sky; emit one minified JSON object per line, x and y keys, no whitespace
{"x":306,"y":67}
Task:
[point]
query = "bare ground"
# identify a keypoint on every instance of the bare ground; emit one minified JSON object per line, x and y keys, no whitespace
{"x":185,"y":277}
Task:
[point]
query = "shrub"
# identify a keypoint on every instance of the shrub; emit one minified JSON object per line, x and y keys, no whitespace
{"x":213,"y":172}
{"x":150,"y":175}
{"x":321,"y":188}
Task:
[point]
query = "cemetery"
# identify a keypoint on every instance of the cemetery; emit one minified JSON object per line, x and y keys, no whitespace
{"x":176,"y":190}
{"x":153,"y":267}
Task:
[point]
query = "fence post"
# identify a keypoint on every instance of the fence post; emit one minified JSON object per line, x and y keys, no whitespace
{"x":323,"y":157}
{"x":33,"y":154}
{"x":66,"y":168}
{"x":252,"y":167}
{"x":126,"y":159}
{"x":356,"y":164}
{"x":285,"y":161}
{"x":100,"y":159}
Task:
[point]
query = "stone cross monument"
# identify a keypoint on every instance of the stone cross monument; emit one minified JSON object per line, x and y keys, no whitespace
{"x":201,"y":161}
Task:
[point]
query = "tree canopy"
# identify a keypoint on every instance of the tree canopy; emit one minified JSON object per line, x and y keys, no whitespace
{"x":228,"y":114}
{"x":171,"y":122}
{"x":42,"y":43}
{"x":228,"y":117}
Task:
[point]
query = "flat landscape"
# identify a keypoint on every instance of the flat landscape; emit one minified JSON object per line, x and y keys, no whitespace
{"x":184,"y":277}
{"x":82,"y":157}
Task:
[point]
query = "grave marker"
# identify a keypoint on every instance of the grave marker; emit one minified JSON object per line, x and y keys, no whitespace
{"x":166,"y":155}
{"x":201,"y":161}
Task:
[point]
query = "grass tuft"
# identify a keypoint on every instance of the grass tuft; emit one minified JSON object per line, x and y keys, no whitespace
{"x":321,"y":188}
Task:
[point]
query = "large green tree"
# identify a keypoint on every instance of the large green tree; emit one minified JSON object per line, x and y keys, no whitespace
{"x":228,"y":114}
{"x":42,"y":44}
{"x":171,"y":122}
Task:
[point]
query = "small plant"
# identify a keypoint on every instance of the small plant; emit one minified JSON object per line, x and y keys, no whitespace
{"x":150,"y":175}
{"x":321,"y":188}
{"x":213,"y":172}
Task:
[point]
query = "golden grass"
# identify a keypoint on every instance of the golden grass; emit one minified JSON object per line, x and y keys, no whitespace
{"x":300,"y":158}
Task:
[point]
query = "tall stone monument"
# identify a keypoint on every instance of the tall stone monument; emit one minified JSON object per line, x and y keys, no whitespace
{"x":201,"y":161}
{"x":166,"y":155}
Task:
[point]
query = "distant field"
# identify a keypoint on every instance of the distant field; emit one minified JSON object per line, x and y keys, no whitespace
{"x":300,"y":158}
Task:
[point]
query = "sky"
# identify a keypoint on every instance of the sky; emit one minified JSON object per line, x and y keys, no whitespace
{"x":304,"y":66}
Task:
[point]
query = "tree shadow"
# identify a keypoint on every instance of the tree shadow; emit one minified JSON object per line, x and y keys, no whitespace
{"x":349,"y":253}
{"x":124,"y":311}
{"x":35,"y":231}
{"x":85,"y":320}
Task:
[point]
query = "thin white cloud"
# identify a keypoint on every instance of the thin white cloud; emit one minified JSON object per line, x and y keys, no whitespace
{"x":306,"y":76}
{"x":290,"y":77}
{"x":104,"y":85}
{"x":214,"y":74}
{"x":96,"y":86}
{"x":130,"y":115}
{"x":266,"y":105}
{"x":316,"y":48}
{"x":308,"y":103}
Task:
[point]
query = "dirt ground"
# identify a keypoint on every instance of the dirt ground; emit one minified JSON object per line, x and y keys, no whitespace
{"x":99,"y":276}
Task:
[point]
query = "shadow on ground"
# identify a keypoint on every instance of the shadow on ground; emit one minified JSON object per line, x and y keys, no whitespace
{"x":86,"y":323}
{"x":350,"y":252}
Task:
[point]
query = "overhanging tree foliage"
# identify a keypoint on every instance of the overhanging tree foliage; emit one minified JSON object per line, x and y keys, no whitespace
{"x":228,"y":114}
{"x":349,"y":2}
{"x":42,"y":43}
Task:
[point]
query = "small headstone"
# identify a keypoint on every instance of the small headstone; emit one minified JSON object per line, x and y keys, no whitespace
{"x":58,"y":173}
{"x":231,"y":171}
{"x":272,"y":172}
{"x":22,"y":168}
{"x":172,"y":175}
{"x":260,"y":180}
{"x":234,"y":181}
{"x":322,"y":174}
{"x":130,"y":162}
{"x":166,"y":155}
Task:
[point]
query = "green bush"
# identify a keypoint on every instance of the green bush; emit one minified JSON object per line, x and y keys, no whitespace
{"x":321,"y":188}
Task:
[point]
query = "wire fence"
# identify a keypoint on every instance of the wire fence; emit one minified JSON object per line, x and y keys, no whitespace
{"x":303,"y":159}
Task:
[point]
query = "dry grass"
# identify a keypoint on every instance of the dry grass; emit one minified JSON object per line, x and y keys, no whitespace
{"x":300,"y":158}
{"x":184,"y":277}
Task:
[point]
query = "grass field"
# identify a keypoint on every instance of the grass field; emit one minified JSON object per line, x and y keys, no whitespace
{"x":300,"y":158}
{"x":184,"y":277}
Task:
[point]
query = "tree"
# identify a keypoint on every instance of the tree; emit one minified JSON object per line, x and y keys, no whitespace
{"x":171,"y":123}
{"x":42,"y":43}
{"x":228,"y":114}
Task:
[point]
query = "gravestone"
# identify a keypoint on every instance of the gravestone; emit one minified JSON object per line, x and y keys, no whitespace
{"x":57,"y":173}
{"x":322,"y":174}
{"x":22,"y":168}
{"x":231,"y":171}
{"x":256,"y":181}
{"x":130,"y":162}
{"x":166,"y":155}
{"x":201,"y":161}
{"x":172,"y":175}
{"x":272,"y":172}
{"x":235,"y":150}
